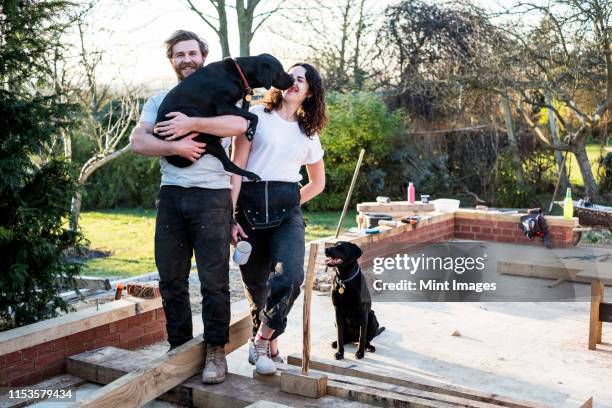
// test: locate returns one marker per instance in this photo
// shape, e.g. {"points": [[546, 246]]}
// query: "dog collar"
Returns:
{"points": [[342, 282], [245, 83]]}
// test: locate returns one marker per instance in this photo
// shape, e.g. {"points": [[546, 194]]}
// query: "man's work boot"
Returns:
{"points": [[215, 366]]}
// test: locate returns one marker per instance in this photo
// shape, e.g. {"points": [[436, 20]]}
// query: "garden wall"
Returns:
{"points": [[38, 351]]}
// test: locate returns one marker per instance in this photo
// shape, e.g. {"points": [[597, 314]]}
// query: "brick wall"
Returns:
{"points": [[508, 231], [410, 237], [463, 224], [45, 360]]}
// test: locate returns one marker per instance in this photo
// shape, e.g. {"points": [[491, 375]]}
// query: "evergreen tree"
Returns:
{"points": [[35, 191]]}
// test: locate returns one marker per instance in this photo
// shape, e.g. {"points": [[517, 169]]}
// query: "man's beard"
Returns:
{"points": [[181, 67]]}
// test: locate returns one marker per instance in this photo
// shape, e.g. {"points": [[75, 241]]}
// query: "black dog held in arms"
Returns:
{"points": [[355, 319], [214, 90]]}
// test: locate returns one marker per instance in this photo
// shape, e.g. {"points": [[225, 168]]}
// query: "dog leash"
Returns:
{"points": [[246, 100], [342, 282]]}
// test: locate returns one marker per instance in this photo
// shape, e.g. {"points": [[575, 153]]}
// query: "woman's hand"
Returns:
{"points": [[236, 233], [179, 125]]}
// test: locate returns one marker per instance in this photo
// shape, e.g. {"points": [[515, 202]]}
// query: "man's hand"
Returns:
{"points": [[236, 233], [179, 125], [188, 148]]}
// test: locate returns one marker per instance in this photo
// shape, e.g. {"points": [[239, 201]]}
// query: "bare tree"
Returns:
{"points": [[218, 23], [566, 58], [105, 117], [335, 35], [248, 21]]}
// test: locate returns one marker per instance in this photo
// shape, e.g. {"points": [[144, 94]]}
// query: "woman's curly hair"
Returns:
{"points": [[312, 114]]}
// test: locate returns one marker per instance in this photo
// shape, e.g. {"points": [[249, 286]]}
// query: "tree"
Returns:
{"points": [[35, 191], [567, 59], [248, 21], [105, 118], [106, 121], [335, 35]]}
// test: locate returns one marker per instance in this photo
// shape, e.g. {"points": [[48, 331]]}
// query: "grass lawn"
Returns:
{"points": [[127, 234], [594, 152]]}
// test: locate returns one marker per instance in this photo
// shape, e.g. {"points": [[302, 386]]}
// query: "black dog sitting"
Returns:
{"points": [[214, 90], [355, 320]]}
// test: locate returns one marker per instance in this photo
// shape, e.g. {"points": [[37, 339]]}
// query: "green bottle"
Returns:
{"points": [[568, 205]]}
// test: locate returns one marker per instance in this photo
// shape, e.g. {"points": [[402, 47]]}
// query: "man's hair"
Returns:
{"points": [[183, 35]]}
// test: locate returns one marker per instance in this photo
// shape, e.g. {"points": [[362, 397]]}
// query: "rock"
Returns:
{"points": [[456, 333], [324, 287]]}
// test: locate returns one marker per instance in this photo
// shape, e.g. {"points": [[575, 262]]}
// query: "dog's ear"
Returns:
{"points": [[264, 75], [355, 251]]}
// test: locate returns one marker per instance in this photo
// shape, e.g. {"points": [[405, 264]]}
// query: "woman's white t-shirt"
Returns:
{"points": [[280, 149]]}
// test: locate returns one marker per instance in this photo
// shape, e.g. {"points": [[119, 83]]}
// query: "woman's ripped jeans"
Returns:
{"points": [[275, 270]]}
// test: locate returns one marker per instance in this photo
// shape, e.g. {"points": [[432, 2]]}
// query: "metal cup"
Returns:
{"points": [[242, 252]]}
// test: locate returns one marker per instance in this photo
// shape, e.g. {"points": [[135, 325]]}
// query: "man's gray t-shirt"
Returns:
{"points": [[206, 172]]}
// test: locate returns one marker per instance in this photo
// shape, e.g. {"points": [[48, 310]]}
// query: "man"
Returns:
{"points": [[194, 212]]}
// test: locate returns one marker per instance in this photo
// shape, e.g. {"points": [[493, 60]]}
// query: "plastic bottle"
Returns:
{"points": [[568, 205], [411, 193]]}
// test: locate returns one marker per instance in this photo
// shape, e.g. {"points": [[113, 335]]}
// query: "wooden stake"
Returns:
{"points": [[312, 385], [350, 192], [314, 248]]}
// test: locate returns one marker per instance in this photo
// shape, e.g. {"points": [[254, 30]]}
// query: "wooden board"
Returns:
{"points": [[60, 382], [379, 393], [109, 363], [603, 274], [353, 369], [166, 372], [574, 271], [56, 328], [394, 206]]}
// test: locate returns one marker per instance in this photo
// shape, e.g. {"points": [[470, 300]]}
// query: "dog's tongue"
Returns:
{"points": [[329, 261]]}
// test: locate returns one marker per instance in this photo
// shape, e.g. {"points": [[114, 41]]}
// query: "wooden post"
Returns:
{"points": [[350, 192], [554, 134], [301, 383], [314, 248], [597, 288]]}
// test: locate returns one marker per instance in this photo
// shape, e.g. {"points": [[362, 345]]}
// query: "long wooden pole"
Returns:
{"points": [[350, 192], [552, 200], [310, 271]]}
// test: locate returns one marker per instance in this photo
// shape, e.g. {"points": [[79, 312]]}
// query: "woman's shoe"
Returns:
{"points": [[263, 362], [252, 357]]}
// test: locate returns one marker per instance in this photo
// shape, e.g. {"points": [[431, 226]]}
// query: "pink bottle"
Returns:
{"points": [[411, 193]]}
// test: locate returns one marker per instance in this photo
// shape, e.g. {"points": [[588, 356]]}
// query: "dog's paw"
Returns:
{"points": [[359, 354], [250, 134], [370, 348], [334, 344], [339, 356]]}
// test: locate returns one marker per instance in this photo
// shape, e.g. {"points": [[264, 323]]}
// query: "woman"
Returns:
{"points": [[268, 213]]}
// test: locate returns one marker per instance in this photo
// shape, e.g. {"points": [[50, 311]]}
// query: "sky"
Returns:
{"points": [[131, 36]]}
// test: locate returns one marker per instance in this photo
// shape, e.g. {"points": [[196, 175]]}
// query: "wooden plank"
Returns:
{"points": [[235, 392], [574, 271], [605, 313], [311, 384], [399, 378], [53, 329], [603, 273], [551, 220], [370, 391], [60, 382], [397, 206], [597, 289], [166, 372], [267, 404], [310, 271], [88, 282]]}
